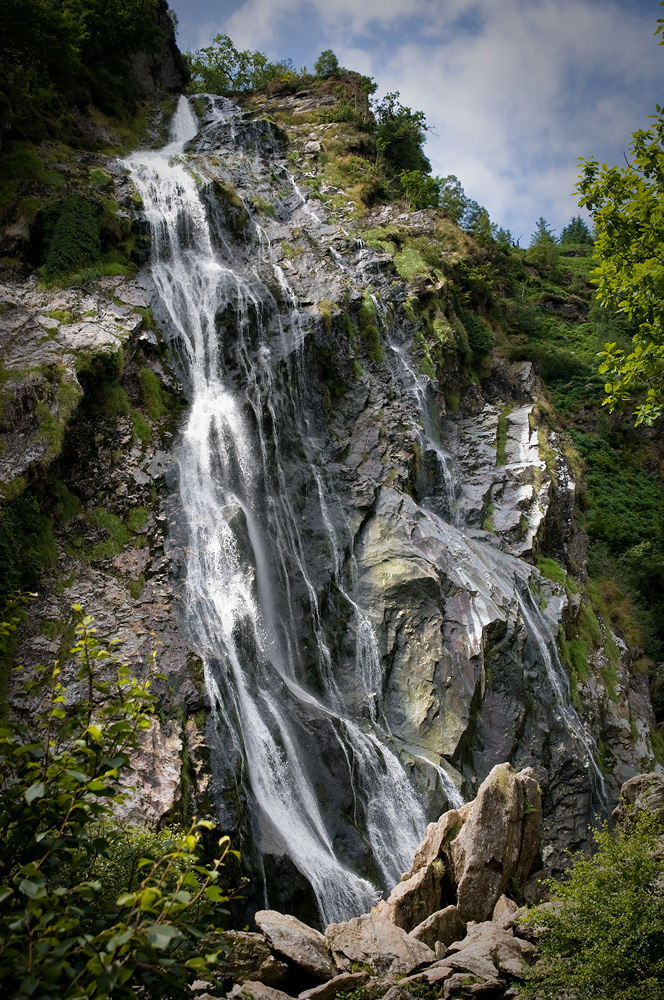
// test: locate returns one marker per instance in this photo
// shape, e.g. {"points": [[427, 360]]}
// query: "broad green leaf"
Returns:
{"points": [[35, 791]]}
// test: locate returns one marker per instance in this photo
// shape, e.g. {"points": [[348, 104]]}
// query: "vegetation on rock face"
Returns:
{"points": [[603, 935], [90, 908]]}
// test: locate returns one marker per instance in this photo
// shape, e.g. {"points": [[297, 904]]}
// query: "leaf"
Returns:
{"points": [[162, 935], [35, 791], [32, 889], [216, 894]]}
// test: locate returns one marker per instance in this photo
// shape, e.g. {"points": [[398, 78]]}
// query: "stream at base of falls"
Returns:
{"points": [[328, 779]]}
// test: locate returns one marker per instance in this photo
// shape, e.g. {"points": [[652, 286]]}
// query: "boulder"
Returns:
{"points": [[375, 941], [397, 993], [443, 926], [489, 949], [249, 957], [487, 851], [642, 793], [298, 942], [340, 984], [503, 912], [414, 899], [259, 991], [531, 830], [432, 975], [437, 835], [464, 984]]}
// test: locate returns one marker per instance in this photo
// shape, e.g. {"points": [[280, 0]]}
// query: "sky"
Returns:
{"points": [[515, 91]]}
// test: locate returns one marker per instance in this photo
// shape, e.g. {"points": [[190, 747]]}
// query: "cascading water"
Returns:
{"points": [[296, 617], [246, 566], [510, 578]]}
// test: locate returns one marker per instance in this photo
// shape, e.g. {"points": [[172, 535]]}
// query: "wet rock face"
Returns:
{"points": [[403, 573]]}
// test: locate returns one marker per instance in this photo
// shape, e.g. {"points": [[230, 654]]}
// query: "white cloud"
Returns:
{"points": [[517, 90]]}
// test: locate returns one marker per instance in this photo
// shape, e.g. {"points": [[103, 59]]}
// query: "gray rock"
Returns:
{"points": [[444, 926], [414, 899], [301, 944], [486, 853], [489, 949], [340, 984], [250, 958], [376, 941], [437, 835], [503, 912], [432, 975], [259, 991], [642, 793]]}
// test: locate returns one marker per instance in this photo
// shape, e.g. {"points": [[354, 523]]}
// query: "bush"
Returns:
{"points": [[88, 909], [604, 938], [74, 239]]}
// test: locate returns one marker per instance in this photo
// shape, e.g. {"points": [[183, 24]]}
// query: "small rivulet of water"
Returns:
{"points": [[493, 577], [246, 568]]}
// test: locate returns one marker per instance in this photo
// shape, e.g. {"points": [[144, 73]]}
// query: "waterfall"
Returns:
{"points": [[509, 584], [247, 576]]}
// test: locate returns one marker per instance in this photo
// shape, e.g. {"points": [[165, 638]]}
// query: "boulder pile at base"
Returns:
{"points": [[448, 924]]}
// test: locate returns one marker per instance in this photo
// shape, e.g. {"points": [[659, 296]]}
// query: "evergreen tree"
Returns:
{"points": [[576, 231]]}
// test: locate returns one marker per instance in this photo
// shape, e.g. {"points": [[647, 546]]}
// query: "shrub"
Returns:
{"points": [[73, 241], [604, 938], [86, 909]]}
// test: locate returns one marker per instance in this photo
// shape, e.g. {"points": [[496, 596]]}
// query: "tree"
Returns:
{"points": [[576, 231], [221, 69], [627, 206], [326, 65], [422, 191], [543, 250], [453, 200], [63, 930], [400, 135], [604, 936]]}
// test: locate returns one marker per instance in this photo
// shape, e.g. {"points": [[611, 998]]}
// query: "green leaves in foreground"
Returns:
{"points": [[627, 207], [88, 907], [604, 937]]}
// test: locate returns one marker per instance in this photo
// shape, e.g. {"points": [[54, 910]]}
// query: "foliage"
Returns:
{"points": [[64, 931], [422, 191], [453, 200], [400, 135], [327, 65], [543, 250], [627, 206], [72, 236], [576, 231], [27, 545], [220, 68], [61, 54], [604, 936]]}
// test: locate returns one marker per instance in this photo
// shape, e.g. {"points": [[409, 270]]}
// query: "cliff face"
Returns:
{"points": [[329, 516]]}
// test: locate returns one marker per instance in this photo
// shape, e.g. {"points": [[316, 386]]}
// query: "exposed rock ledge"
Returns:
{"points": [[448, 922]]}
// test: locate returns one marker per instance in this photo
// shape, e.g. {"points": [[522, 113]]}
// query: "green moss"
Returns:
{"points": [[368, 326], [326, 310], [501, 434], [117, 535], [410, 264], [136, 587], [552, 571], [112, 400], [156, 400], [137, 518], [140, 427], [100, 179]]}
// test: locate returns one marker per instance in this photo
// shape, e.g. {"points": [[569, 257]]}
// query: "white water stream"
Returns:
{"points": [[232, 482]]}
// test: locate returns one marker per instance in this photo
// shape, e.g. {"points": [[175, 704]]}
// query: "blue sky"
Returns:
{"points": [[516, 90]]}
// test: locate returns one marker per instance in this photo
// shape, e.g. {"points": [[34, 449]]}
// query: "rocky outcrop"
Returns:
{"points": [[642, 793], [469, 948], [372, 939], [300, 944]]}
